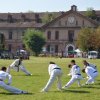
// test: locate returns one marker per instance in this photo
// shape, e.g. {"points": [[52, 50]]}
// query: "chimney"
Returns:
{"points": [[74, 8]]}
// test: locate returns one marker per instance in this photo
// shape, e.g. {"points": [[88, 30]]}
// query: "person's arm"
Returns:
{"points": [[49, 70], [9, 79]]}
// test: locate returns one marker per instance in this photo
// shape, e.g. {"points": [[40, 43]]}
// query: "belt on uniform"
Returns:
{"points": [[78, 74], [1, 80], [57, 68], [94, 71]]}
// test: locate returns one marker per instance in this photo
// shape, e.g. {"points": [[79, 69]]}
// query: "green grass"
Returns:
{"points": [[39, 68]]}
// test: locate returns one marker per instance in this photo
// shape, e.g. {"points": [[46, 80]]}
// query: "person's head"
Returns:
{"points": [[85, 62], [51, 62], [83, 70], [73, 62], [3, 69], [21, 58]]}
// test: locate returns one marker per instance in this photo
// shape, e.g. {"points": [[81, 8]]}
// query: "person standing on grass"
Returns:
{"points": [[92, 73], [3, 76], [54, 72], [17, 65], [74, 73]]}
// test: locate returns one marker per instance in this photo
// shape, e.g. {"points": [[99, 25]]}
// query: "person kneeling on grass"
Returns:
{"points": [[54, 72], [74, 73], [91, 72], [3, 76]]}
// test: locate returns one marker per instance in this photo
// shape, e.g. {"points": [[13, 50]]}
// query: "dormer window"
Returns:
{"points": [[23, 17], [74, 8], [10, 19]]}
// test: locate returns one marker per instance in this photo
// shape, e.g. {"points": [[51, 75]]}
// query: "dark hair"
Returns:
{"points": [[84, 61], [3, 68], [52, 62], [72, 61]]}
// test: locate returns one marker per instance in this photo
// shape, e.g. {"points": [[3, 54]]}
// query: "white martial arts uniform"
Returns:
{"points": [[54, 72], [75, 76], [3, 76], [17, 65], [91, 65], [91, 73]]}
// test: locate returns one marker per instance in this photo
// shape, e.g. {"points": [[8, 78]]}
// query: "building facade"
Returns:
{"points": [[60, 33]]}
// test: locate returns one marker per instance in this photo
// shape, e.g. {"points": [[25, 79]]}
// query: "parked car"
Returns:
{"points": [[92, 54]]}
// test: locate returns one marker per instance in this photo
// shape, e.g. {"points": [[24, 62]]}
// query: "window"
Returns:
{"points": [[56, 35], [66, 23], [1, 38], [10, 18], [23, 17], [48, 48], [10, 35], [23, 32], [49, 35], [56, 48], [9, 47], [70, 35], [83, 23], [76, 22], [37, 18]]}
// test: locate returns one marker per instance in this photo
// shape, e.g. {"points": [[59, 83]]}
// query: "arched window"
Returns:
{"points": [[70, 48]]}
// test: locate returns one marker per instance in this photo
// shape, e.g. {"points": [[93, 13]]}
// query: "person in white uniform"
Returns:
{"points": [[89, 64], [6, 86], [54, 72], [74, 73], [92, 73], [18, 65]]}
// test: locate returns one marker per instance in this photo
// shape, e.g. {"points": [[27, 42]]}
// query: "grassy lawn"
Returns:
{"points": [[38, 67]]}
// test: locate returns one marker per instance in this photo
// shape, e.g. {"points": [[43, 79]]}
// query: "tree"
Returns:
{"points": [[48, 17], [89, 39], [91, 13], [34, 40]]}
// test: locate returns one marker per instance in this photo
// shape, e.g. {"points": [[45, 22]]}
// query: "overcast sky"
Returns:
{"points": [[46, 5]]}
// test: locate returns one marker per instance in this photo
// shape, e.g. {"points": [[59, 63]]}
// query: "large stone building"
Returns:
{"points": [[61, 33]]}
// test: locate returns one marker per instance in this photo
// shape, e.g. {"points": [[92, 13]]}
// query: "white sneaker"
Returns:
{"points": [[24, 92], [64, 87], [43, 90]]}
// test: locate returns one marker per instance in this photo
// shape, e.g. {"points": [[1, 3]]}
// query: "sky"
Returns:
{"points": [[46, 5]]}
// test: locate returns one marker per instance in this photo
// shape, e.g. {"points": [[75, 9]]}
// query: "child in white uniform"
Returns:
{"points": [[54, 72], [75, 74]]}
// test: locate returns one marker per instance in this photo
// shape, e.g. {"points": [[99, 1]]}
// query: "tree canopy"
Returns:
{"points": [[91, 13], [34, 40], [89, 39]]}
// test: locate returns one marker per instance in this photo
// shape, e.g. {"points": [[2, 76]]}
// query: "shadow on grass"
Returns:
{"points": [[92, 87], [36, 75], [15, 94], [73, 91]]}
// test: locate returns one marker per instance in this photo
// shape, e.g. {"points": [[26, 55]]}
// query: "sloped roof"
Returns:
{"points": [[21, 25], [68, 12]]}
